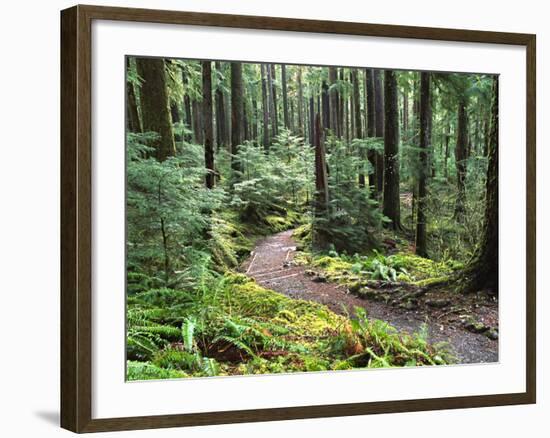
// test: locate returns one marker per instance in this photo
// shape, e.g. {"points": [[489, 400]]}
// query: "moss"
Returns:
{"points": [[228, 244], [332, 265], [431, 281], [243, 328], [303, 235]]}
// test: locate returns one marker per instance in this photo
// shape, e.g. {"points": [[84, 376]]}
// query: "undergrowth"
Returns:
{"points": [[229, 325]]}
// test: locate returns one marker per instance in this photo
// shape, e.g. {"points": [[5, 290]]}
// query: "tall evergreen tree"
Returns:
{"points": [[379, 121], [482, 272], [391, 208], [425, 144], [286, 118], [154, 105], [236, 112], [132, 116], [208, 124]]}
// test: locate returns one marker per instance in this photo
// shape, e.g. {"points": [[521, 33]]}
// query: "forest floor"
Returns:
{"points": [[271, 265]]}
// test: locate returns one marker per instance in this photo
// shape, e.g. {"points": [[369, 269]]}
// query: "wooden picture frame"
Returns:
{"points": [[76, 217]]}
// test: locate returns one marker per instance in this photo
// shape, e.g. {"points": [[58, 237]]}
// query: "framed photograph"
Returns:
{"points": [[271, 218]]}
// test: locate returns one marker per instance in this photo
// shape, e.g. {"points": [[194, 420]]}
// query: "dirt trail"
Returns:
{"points": [[270, 265]]}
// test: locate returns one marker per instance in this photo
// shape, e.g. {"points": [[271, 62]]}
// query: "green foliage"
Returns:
{"points": [[190, 315], [148, 371], [354, 216], [400, 267], [271, 185], [235, 326]]}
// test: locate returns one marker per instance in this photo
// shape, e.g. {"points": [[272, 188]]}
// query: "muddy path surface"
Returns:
{"points": [[270, 264]]}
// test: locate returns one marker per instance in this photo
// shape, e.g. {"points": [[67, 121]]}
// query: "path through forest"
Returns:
{"points": [[271, 266]]}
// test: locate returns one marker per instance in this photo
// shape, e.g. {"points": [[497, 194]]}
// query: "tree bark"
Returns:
{"points": [[461, 154], [132, 116], [446, 160], [154, 105], [221, 125], [197, 121], [371, 126], [236, 113], [186, 102], [333, 101], [379, 121], [358, 124], [300, 102], [482, 273], [286, 119], [210, 177], [425, 136], [311, 120], [273, 96], [321, 183], [265, 107], [391, 207], [326, 105]]}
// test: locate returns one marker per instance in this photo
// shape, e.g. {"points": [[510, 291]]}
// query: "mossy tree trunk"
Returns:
{"points": [[132, 115], [210, 177], [425, 141], [333, 79], [461, 154], [154, 105], [265, 107], [391, 208], [186, 101], [371, 124], [300, 106], [236, 113], [321, 184], [482, 272], [273, 97], [358, 124], [326, 105], [286, 119], [221, 125], [379, 121]]}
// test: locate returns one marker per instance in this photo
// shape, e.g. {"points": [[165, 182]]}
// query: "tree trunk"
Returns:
{"points": [[311, 120], [300, 102], [482, 273], [425, 136], [321, 182], [333, 101], [379, 129], [236, 113], [197, 121], [186, 102], [210, 177], [154, 105], [265, 107], [286, 119], [358, 125], [405, 113], [255, 129], [133, 123], [220, 114], [391, 151], [371, 125], [273, 95], [461, 152], [446, 160], [326, 105], [342, 104]]}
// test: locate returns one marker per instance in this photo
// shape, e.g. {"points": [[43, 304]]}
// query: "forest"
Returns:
{"points": [[292, 218]]}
